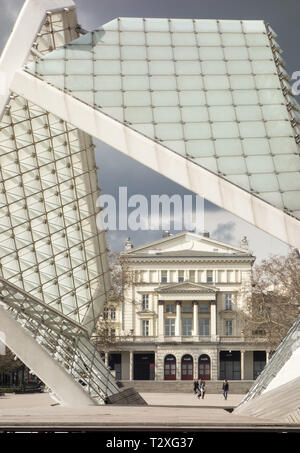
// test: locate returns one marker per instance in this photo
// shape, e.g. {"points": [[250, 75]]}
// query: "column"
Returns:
{"points": [[178, 319], [213, 320], [195, 319], [131, 366], [242, 365], [267, 356], [106, 359], [160, 318]]}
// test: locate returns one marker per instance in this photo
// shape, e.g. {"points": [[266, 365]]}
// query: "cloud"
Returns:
{"points": [[225, 232]]}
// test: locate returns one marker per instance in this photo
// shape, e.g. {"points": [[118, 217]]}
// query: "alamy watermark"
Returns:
{"points": [[2, 343], [157, 212]]}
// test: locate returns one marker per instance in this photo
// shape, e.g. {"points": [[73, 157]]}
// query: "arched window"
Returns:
{"points": [[204, 367], [187, 367], [170, 368]]}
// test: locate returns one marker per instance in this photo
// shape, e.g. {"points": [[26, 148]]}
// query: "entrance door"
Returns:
{"points": [[204, 367], [230, 365], [170, 368], [143, 368], [187, 368], [259, 362]]}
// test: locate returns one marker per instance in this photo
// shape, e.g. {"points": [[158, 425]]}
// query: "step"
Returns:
{"points": [[235, 387]]}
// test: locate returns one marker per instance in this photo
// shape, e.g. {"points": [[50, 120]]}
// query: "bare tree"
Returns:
{"points": [[121, 277], [273, 303], [9, 362]]}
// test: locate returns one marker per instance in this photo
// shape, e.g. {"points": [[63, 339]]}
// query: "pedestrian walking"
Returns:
{"points": [[196, 386], [225, 388], [201, 389]]}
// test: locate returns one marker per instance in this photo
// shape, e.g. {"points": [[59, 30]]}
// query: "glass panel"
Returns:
{"points": [[192, 98], [264, 182], [211, 53], [287, 162], [233, 39], [260, 53], [214, 82], [156, 25], [135, 83], [236, 53], [228, 147], [160, 53], [197, 131], [267, 81], [283, 145], [245, 97], [221, 113], [219, 97], [279, 128], [132, 52], [169, 131], [260, 164], [253, 26], [207, 162], [184, 25], [198, 148], [248, 112], [105, 52], [138, 114], [158, 39], [134, 67], [213, 67], [189, 82], [256, 146], [131, 24], [109, 67], [166, 114], [252, 129], [107, 83], [242, 82], [187, 67], [204, 25], [137, 98], [232, 165], [183, 39], [194, 114], [209, 39], [167, 98], [161, 67], [257, 40], [239, 67], [264, 67], [230, 26], [163, 83], [132, 38], [225, 129]]}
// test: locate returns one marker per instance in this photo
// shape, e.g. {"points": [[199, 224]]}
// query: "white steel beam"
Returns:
{"points": [[159, 158], [37, 359], [19, 44]]}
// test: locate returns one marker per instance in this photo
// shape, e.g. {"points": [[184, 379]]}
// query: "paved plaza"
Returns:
{"points": [[164, 411]]}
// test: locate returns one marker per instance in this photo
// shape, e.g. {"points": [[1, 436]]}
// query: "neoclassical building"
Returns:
{"points": [[180, 314]]}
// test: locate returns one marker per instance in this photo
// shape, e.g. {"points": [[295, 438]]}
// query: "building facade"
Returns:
{"points": [[180, 314]]}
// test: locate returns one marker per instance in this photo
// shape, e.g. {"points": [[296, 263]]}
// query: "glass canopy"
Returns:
{"points": [[215, 92]]}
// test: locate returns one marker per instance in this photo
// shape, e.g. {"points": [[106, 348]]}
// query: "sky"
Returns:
{"points": [[117, 170]]}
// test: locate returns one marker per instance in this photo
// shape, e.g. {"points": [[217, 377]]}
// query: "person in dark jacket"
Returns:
{"points": [[196, 386], [201, 389], [225, 388]]}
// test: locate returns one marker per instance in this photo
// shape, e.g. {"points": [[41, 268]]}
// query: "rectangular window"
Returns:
{"points": [[228, 301], [170, 308], [228, 328], [192, 276], [209, 276], [187, 307], [204, 326], [170, 327], [180, 276], [187, 324], [204, 308], [145, 328], [164, 277], [145, 302], [112, 332], [113, 314]]}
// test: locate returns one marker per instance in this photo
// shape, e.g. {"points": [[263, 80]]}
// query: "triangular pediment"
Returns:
{"points": [[186, 287]]}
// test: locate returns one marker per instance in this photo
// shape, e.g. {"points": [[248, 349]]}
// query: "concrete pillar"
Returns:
{"points": [[195, 319], [178, 319], [213, 320], [106, 359], [242, 365], [267, 356], [131, 366], [161, 319]]}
